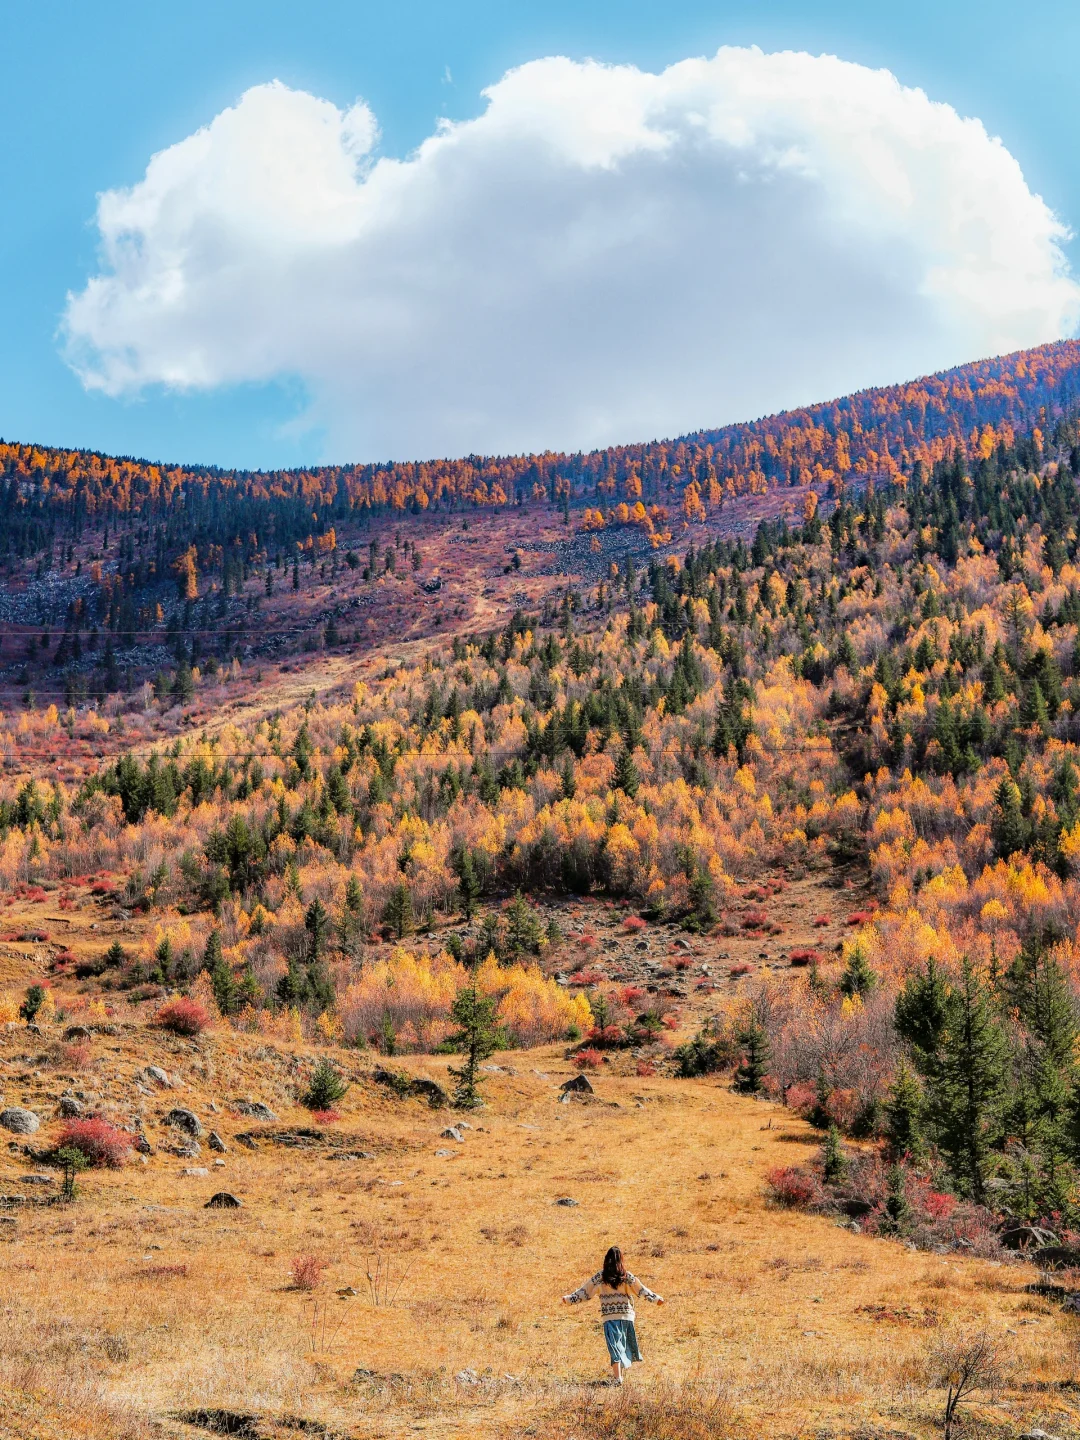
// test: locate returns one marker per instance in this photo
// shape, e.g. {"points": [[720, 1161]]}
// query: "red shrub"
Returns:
{"points": [[101, 1143], [859, 917], [634, 923], [587, 940], [307, 1271], [805, 957], [754, 919], [586, 977], [820, 920], [796, 1188], [75, 1057], [802, 1097], [325, 1117], [631, 995], [742, 969], [610, 1037], [645, 1068], [183, 1017], [682, 962], [588, 1059]]}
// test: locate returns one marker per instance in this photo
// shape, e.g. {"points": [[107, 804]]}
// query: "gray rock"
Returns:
{"points": [[1020, 1237], [37, 1179], [1057, 1257], [77, 1032], [567, 1202], [223, 1200], [185, 1120], [452, 1133], [1037, 1435], [188, 1150], [217, 1143], [444, 1152], [19, 1121], [142, 1145], [255, 1110], [159, 1076], [196, 1170], [70, 1108], [579, 1083]]}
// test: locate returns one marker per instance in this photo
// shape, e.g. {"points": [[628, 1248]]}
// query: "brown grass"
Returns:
{"points": [[772, 1317]]}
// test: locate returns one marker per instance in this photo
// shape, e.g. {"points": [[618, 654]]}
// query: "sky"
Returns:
{"points": [[668, 238]]}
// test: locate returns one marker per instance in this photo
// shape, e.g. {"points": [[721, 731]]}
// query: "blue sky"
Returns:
{"points": [[91, 92]]}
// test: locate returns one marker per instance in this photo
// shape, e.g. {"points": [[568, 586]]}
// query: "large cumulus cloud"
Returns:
{"points": [[603, 254]]}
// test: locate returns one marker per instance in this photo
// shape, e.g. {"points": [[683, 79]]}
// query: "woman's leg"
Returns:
{"points": [[616, 1373]]}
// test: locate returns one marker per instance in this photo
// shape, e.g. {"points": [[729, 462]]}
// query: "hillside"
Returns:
{"points": [[114, 567], [769, 827]]}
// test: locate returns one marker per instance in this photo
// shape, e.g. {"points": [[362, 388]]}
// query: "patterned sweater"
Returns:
{"points": [[615, 1303]]}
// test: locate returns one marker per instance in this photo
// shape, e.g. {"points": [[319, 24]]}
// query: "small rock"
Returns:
{"points": [[219, 1162], [567, 1202], [255, 1110], [452, 1133], [347, 1291], [467, 1377], [196, 1170], [214, 1109], [142, 1145], [19, 1121], [159, 1076], [1037, 1435], [223, 1200], [185, 1120], [69, 1107], [444, 1152], [217, 1143], [189, 1150]]}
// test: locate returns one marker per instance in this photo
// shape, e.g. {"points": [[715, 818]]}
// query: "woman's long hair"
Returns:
{"points": [[614, 1271]]}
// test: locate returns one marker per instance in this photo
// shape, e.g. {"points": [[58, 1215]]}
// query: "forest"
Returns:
{"points": [[883, 686]]}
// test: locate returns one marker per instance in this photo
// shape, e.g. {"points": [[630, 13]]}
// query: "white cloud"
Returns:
{"points": [[602, 255]]}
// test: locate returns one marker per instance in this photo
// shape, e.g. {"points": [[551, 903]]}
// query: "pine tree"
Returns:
{"points": [[398, 913], [967, 1084], [317, 924], [920, 1014], [1010, 827], [834, 1161], [478, 1037], [326, 1088], [626, 774], [858, 978], [226, 993], [904, 1114], [755, 1062], [897, 1216], [468, 882]]}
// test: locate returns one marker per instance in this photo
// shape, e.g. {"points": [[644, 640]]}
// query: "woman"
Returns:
{"points": [[617, 1288]]}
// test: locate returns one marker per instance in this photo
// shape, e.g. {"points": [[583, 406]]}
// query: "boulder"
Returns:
{"points": [[1057, 1257], [855, 1209], [408, 1085], [70, 1108], [159, 1076], [567, 1202], [37, 1179], [185, 1120], [1026, 1237], [580, 1083], [196, 1170], [19, 1121], [186, 1150], [223, 1200], [77, 1032], [216, 1143], [452, 1133], [255, 1110], [142, 1145]]}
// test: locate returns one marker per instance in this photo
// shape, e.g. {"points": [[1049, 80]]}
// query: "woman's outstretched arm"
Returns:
{"points": [[643, 1290], [583, 1292]]}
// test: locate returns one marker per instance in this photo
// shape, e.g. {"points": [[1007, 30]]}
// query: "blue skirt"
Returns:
{"points": [[622, 1343]]}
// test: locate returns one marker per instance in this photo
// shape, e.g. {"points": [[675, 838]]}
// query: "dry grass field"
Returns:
{"points": [[137, 1305]]}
